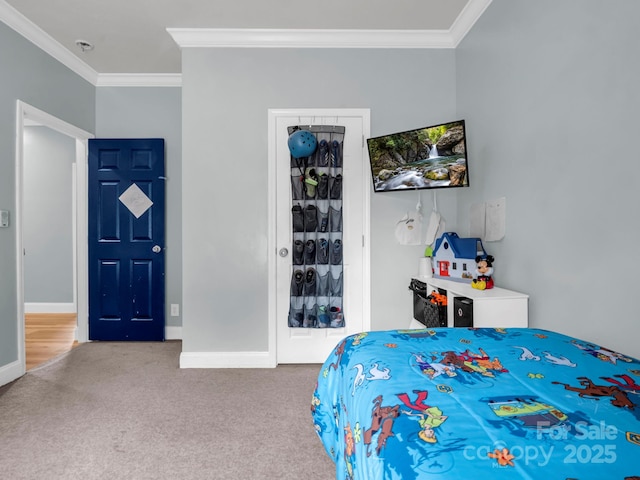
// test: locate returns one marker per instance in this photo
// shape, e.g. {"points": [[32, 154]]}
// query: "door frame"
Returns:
{"points": [[272, 247], [29, 115]]}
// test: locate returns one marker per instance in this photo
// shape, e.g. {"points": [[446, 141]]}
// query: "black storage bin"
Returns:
{"points": [[419, 298], [463, 312], [424, 311], [435, 315]]}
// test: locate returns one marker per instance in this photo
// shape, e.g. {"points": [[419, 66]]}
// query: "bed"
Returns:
{"points": [[482, 403]]}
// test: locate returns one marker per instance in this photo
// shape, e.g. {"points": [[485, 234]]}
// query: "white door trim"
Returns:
{"points": [[272, 246], [25, 115]]}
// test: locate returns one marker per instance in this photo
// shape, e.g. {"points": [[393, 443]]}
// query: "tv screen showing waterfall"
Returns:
{"points": [[428, 157]]}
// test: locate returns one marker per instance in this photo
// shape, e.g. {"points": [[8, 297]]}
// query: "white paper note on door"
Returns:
{"points": [[136, 200]]}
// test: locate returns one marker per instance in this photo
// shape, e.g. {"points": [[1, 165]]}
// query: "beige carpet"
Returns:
{"points": [[125, 410]]}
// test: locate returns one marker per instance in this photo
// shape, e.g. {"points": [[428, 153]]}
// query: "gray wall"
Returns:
{"points": [[550, 93], [152, 112], [48, 216], [226, 96], [30, 75]]}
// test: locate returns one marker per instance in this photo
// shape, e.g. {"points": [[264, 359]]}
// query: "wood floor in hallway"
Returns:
{"points": [[48, 335]]}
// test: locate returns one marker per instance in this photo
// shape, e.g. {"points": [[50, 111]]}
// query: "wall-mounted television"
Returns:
{"points": [[428, 157]]}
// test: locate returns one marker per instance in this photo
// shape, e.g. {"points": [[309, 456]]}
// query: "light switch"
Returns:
{"points": [[4, 218]]}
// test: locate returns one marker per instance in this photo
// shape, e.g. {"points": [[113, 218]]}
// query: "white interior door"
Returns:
{"points": [[313, 345]]}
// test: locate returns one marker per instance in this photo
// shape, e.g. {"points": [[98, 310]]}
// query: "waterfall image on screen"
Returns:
{"points": [[429, 157]]}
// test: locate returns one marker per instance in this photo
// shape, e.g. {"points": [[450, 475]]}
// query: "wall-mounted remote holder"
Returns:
{"points": [[4, 218]]}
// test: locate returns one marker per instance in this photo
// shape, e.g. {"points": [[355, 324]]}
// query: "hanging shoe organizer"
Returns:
{"points": [[316, 192]]}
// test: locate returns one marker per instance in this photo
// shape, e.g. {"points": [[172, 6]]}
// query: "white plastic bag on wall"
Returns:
{"points": [[409, 229]]}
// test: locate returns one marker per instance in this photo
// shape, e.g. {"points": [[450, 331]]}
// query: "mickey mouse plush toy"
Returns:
{"points": [[484, 270]]}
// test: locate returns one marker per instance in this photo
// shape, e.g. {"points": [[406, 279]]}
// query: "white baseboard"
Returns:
{"points": [[49, 308], [172, 333], [227, 360], [10, 372]]}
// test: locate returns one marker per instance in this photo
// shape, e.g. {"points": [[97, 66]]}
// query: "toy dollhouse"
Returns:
{"points": [[454, 257]]}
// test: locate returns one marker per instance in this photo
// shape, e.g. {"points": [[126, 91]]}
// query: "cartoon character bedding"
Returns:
{"points": [[478, 403]]}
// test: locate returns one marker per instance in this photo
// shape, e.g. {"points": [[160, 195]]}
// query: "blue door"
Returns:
{"points": [[126, 239]]}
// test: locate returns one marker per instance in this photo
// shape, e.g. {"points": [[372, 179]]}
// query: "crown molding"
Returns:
{"points": [[25, 27], [139, 80], [470, 14], [309, 38], [327, 38]]}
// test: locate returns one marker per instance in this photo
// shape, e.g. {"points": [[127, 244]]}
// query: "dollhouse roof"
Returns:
{"points": [[461, 247]]}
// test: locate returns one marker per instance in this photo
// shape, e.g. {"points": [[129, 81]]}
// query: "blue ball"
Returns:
{"points": [[302, 143]]}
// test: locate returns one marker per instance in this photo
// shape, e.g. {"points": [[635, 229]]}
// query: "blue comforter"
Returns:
{"points": [[461, 403]]}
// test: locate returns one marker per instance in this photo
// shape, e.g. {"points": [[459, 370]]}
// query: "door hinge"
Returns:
{"points": [[363, 141]]}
